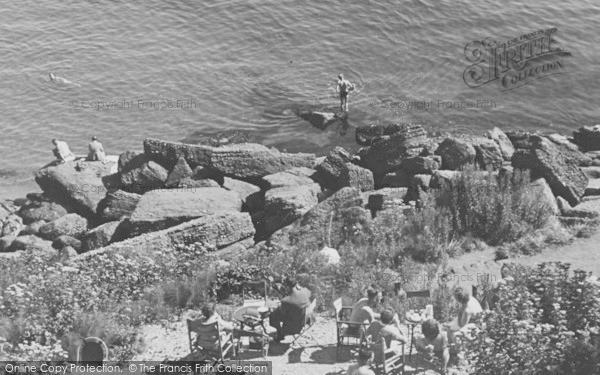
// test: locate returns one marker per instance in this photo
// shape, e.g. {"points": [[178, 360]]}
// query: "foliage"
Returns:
{"points": [[545, 322]]}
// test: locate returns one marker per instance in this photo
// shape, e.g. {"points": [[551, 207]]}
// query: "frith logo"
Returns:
{"points": [[516, 62]]}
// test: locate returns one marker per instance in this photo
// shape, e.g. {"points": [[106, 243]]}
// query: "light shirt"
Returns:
{"points": [[63, 149], [357, 369], [362, 312]]}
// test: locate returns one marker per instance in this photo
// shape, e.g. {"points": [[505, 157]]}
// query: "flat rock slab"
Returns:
{"points": [[214, 232], [82, 187], [168, 153], [284, 205], [159, 209]]}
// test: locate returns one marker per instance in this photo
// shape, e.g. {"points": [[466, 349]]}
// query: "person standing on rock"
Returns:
{"points": [[343, 88], [62, 152], [96, 151]]}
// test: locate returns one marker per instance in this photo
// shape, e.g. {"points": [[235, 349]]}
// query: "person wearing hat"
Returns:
{"points": [[343, 88], [96, 151]]}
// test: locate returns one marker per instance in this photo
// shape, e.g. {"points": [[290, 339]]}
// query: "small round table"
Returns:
{"points": [[412, 323]]}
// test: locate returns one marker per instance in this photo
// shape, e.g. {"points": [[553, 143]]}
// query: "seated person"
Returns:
{"points": [[469, 309], [96, 151], [388, 328], [362, 367], [434, 341], [287, 316], [210, 315], [62, 152], [506, 272], [363, 310]]}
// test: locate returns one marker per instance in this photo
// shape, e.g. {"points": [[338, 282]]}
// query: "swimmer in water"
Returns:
{"points": [[343, 88], [57, 79]]}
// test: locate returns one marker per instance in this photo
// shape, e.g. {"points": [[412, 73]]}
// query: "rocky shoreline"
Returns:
{"points": [[229, 197]]}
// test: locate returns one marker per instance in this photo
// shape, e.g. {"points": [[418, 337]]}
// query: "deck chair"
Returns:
{"points": [[307, 321], [387, 359], [349, 334], [250, 288], [425, 293], [209, 341]]}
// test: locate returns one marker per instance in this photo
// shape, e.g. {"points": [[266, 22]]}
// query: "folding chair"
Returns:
{"points": [[209, 341], [349, 334], [256, 286], [388, 364], [308, 320], [425, 293]]}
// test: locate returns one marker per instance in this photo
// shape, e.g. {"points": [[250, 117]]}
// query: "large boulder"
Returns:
{"points": [[421, 164], [11, 225], [100, 236], [341, 210], [545, 159], [71, 225], [541, 187], [80, 185], [6, 242], [250, 160], [251, 195], [117, 204], [64, 241], [160, 209], [385, 198], [367, 135], [33, 228], [147, 176], [588, 138], [168, 153], [488, 154], [330, 171], [506, 147], [320, 120], [456, 153], [386, 154], [570, 150], [213, 232], [292, 177], [284, 205], [32, 243], [191, 183], [180, 171], [46, 211]]}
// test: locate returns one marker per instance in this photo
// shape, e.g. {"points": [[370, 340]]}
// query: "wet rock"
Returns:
{"points": [[100, 236], [63, 241], [180, 171], [74, 186], [117, 205], [506, 147], [160, 209], [284, 205], [367, 135], [46, 211], [251, 195], [456, 153], [320, 120], [545, 159], [245, 161], [587, 137]]}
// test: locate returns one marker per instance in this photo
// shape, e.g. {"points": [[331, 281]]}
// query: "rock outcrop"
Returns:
{"points": [[46, 211], [32, 243], [251, 195], [117, 204], [100, 236], [588, 138], [141, 178], [506, 147], [284, 205], [160, 209], [545, 159], [456, 153], [180, 171], [292, 177], [367, 135]]}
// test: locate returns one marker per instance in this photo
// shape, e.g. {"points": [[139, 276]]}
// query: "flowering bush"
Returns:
{"points": [[545, 322]]}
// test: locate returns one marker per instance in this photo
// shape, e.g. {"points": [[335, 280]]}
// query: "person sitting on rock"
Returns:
{"points": [[388, 328], [62, 152], [434, 342], [291, 310], [363, 366], [364, 310], [96, 151], [210, 315]]}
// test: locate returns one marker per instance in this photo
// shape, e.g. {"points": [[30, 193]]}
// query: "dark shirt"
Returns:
{"points": [[299, 297]]}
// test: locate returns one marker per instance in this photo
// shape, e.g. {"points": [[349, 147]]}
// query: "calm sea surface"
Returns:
{"points": [[249, 65]]}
